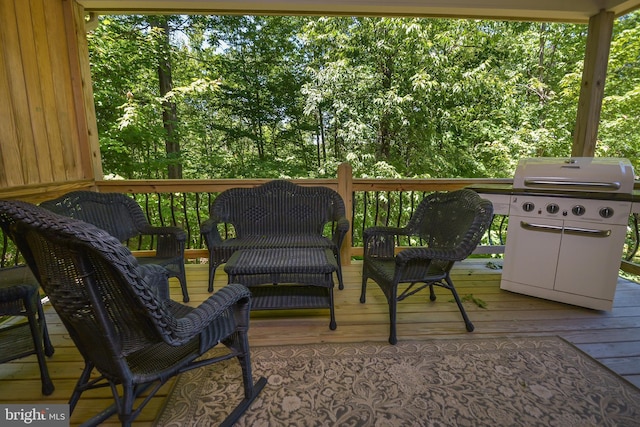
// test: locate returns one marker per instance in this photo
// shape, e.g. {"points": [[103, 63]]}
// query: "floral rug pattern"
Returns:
{"points": [[540, 381]]}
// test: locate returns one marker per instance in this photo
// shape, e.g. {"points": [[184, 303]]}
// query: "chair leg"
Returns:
{"points": [[244, 404], [80, 385], [332, 312], [393, 314], [251, 389], [432, 293], [125, 407], [467, 322], [339, 273], [182, 278], [392, 301], [48, 347], [244, 358], [212, 273], [38, 340], [363, 293]]}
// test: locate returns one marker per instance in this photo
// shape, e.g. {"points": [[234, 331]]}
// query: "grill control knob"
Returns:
{"points": [[528, 206], [606, 212], [578, 210], [552, 208]]}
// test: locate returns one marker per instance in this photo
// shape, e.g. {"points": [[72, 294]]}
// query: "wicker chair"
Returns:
{"points": [[122, 217], [20, 296], [278, 214], [449, 225], [110, 306]]}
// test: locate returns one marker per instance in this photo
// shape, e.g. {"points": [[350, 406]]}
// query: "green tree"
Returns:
{"points": [[286, 96], [619, 131], [421, 95], [135, 94]]}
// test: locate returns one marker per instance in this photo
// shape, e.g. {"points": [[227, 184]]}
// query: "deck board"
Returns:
{"points": [[611, 337]]}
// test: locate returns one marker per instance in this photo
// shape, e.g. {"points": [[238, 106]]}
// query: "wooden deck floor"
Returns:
{"points": [[611, 337]]}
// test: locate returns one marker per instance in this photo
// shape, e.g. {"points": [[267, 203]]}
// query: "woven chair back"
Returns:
{"points": [[456, 219], [278, 207], [116, 213], [91, 280]]}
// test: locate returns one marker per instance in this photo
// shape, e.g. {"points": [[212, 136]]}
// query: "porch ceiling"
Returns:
{"points": [[577, 11]]}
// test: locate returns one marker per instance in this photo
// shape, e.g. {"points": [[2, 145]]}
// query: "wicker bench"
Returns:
{"points": [[286, 278], [278, 214]]}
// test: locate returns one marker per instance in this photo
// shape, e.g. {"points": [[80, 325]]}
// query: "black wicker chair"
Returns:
{"points": [[449, 227], [111, 308], [278, 214], [122, 217], [20, 296]]}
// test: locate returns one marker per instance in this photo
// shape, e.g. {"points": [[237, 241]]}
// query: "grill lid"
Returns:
{"points": [[580, 174]]}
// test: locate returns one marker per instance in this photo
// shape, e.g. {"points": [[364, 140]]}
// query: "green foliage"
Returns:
{"points": [[477, 301], [287, 96], [619, 132]]}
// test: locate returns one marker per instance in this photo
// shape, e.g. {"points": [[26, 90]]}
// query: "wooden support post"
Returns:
{"points": [[92, 142], [345, 189], [82, 94], [592, 88]]}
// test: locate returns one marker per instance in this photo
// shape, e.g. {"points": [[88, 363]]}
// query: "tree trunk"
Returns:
{"points": [[169, 110], [322, 146]]}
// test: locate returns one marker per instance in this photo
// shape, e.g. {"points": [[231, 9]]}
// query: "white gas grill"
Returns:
{"points": [[567, 225]]}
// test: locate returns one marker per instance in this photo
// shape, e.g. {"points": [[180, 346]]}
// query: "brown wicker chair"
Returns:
{"points": [[448, 225], [122, 217], [278, 214], [110, 306]]}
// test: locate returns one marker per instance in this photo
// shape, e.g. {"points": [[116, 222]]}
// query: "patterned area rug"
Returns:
{"points": [[541, 381]]}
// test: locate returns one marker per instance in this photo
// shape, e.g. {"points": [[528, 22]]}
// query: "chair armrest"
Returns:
{"points": [[380, 241], [231, 302], [340, 230], [377, 231], [170, 240], [210, 232], [176, 233], [157, 278], [424, 253]]}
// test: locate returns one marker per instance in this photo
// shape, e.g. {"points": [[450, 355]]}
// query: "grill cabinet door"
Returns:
{"points": [[589, 265], [531, 257]]}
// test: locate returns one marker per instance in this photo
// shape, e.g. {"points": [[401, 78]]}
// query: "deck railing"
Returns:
{"points": [[368, 202], [185, 203]]}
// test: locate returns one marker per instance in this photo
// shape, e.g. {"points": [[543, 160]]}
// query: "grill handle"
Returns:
{"points": [[586, 184], [567, 230]]}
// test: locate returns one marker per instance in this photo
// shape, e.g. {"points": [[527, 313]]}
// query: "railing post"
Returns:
{"points": [[345, 189]]}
